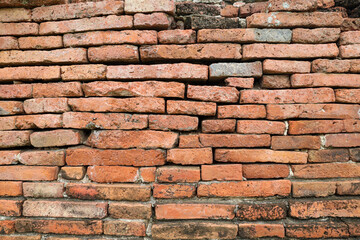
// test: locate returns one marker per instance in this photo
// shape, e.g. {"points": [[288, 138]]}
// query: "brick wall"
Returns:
{"points": [[154, 120]]}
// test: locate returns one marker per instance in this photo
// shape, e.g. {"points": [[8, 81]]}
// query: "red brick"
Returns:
{"points": [[34, 57], [323, 126], [43, 190], [308, 95], [65, 209], [10, 208], [325, 208], [313, 189], [229, 11], [21, 237], [11, 107], [261, 211], [124, 228], [332, 65], [15, 15], [292, 6], [347, 95], [293, 51], [352, 37], [40, 42], [177, 71], [130, 210], [158, 21], [131, 157], [53, 90], [190, 156], [215, 126], [240, 82], [251, 8], [342, 140], [10, 139], [114, 53], [291, 20], [84, 120], [110, 174], [213, 93], [38, 121], [28, 173], [83, 72], [317, 35], [28, 74], [194, 211], [336, 111], [228, 172], [16, 91], [7, 123], [7, 226], [189, 141], [317, 230], [259, 230], [245, 189], [260, 127], [135, 37], [86, 24], [77, 10], [275, 81], [350, 51], [132, 139], [72, 173], [8, 43], [191, 230], [9, 157], [348, 188], [178, 174], [173, 122], [241, 111], [259, 155], [10, 189], [329, 155], [148, 6], [191, 108], [19, 29], [147, 174], [76, 227], [136, 104], [295, 142], [285, 66], [116, 192], [45, 157], [173, 191], [234, 140], [177, 36], [258, 171], [56, 138], [327, 80], [135, 89], [327, 170], [211, 51]]}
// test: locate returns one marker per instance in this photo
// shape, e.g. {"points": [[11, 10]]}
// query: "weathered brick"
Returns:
{"points": [[178, 71], [28, 173], [229, 11], [248, 9], [158, 21], [15, 15], [234, 140], [350, 51], [84, 120], [177, 36], [34, 57], [194, 230], [214, 126], [125, 228], [241, 111], [83, 72], [198, 8], [325, 3], [38, 121], [11, 208], [40, 42], [259, 155], [149, 6], [190, 141], [43, 158], [190, 156], [327, 170], [213, 22], [28, 74], [240, 82], [245, 189], [191, 108], [260, 230], [261, 211], [323, 126], [329, 155], [30, 3], [260, 127], [110, 174], [130, 210], [66, 209], [286, 20], [9, 157], [72, 173], [86, 24], [355, 154], [53, 90], [116, 192], [313, 189], [132, 139], [325, 80], [114, 53], [135, 37], [147, 174], [292, 6], [285, 66], [194, 211], [173, 122], [10, 189], [43, 190], [211, 51], [76, 227], [228, 172], [308, 95], [19, 29], [352, 37], [275, 81], [7, 226], [317, 35], [317, 230], [336, 111], [8, 43], [347, 95], [332, 66], [213, 93], [168, 191], [44, 105], [295, 142], [137, 104], [350, 24], [223, 70], [178, 174], [21, 237], [58, 137], [132, 157], [342, 140], [348, 188], [7, 123], [258, 171], [10, 139], [77, 10]]}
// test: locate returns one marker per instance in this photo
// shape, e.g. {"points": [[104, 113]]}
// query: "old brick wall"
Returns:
{"points": [[150, 119]]}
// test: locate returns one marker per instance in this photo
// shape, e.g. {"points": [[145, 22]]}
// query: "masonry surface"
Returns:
{"points": [[154, 119]]}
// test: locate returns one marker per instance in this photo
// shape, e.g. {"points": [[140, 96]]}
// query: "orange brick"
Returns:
{"points": [[173, 122], [258, 230], [275, 81], [130, 210], [229, 11], [22, 237], [46, 105], [190, 156], [148, 174], [46, 157], [292, 6], [11, 208], [342, 140], [191, 108], [38, 121], [10, 189], [295, 142], [54, 90], [213, 93], [19, 29], [260, 127], [214, 126], [240, 82], [317, 230], [83, 72], [234, 140], [329, 155], [189, 141], [313, 189], [114, 53], [228, 172], [10, 139], [325, 80], [241, 111], [28, 173], [72, 173], [7, 226], [317, 35], [258, 171], [261, 211], [173, 191], [347, 95], [43, 190], [158, 21], [285, 66], [323, 126], [327, 170], [177, 36], [333, 65], [40, 42], [56, 138], [124, 228], [8, 43], [348, 188], [109, 174], [178, 174], [28, 74]]}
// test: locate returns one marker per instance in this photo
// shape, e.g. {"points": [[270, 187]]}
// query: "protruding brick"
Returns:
{"points": [[15, 15], [347, 95], [240, 82], [261, 211], [275, 81], [83, 72], [43, 190], [350, 51], [28, 74], [190, 156], [213, 93], [10, 189], [72, 173], [258, 230], [313, 189], [234, 140], [191, 108], [10, 139], [125, 228], [173, 122], [325, 80], [317, 230], [53, 90], [158, 21], [19, 29], [285, 66], [28, 173], [352, 37], [317, 35], [177, 36], [223, 70], [43, 158], [178, 174], [56, 138], [10, 208], [260, 127], [327, 170], [168, 191], [114, 53], [148, 6], [342, 140], [292, 6], [241, 111], [329, 155], [214, 126], [38, 121], [110, 174], [228, 172], [8, 43], [130, 210], [40, 42], [259, 171]]}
